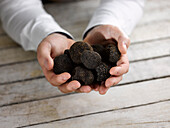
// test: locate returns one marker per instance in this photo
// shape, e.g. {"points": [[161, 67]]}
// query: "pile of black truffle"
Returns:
{"points": [[87, 64]]}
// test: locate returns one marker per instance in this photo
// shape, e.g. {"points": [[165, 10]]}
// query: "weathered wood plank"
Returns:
{"points": [[6, 42], [13, 55], [117, 98], [148, 69], [154, 24], [153, 30], [19, 72], [14, 93], [139, 51], [135, 52], [26, 91], [150, 116], [155, 11]]}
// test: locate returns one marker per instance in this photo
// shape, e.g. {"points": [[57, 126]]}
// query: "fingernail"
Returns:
{"points": [[66, 78], [124, 45]]}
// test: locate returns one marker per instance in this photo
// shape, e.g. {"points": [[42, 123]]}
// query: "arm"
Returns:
{"points": [[29, 25], [114, 19], [121, 13], [27, 22]]}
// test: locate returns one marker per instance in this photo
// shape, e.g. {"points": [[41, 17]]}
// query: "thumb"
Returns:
{"points": [[48, 63], [123, 44], [44, 56]]}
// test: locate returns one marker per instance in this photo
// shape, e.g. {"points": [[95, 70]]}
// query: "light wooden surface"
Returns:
{"points": [[141, 100]]}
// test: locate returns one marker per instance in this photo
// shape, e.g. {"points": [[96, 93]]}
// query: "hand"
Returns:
{"points": [[104, 34], [52, 46]]}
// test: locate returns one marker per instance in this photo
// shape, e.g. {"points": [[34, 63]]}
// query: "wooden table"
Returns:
{"points": [[142, 99]]}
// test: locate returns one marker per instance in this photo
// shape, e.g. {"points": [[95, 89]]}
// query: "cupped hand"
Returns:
{"points": [[104, 34], [52, 46]]}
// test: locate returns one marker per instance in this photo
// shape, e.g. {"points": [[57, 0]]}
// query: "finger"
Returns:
{"points": [[121, 37], [103, 89], [43, 55], [57, 80], [69, 87], [123, 44], [113, 81], [122, 66], [96, 87], [84, 89], [119, 70]]}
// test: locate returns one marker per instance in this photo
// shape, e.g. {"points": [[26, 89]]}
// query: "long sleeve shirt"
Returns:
{"points": [[28, 23]]}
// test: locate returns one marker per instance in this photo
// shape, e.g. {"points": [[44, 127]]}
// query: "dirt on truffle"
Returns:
{"points": [[113, 53], [101, 50], [102, 72], [76, 50], [90, 59], [89, 65], [62, 64], [83, 75]]}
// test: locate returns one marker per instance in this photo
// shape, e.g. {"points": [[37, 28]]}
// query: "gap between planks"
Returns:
{"points": [[40, 88], [31, 56], [127, 118], [33, 72], [122, 97], [155, 15]]}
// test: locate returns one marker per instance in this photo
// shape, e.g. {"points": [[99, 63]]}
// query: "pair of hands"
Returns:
{"points": [[55, 44]]}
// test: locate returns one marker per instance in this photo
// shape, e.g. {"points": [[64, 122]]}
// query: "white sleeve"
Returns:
{"points": [[121, 13], [26, 22]]}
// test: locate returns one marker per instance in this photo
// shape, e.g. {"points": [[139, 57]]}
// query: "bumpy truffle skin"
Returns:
{"points": [[102, 72], [62, 64], [67, 52], [113, 53], [76, 50], [83, 75], [90, 59], [101, 50]]}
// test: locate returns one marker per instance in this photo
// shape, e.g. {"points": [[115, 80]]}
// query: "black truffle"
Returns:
{"points": [[103, 72], [83, 75], [113, 53], [76, 50], [90, 59], [101, 50], [62, 64], [67, 52]]}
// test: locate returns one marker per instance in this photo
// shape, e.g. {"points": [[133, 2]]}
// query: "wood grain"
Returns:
{"points": [[14, 55], [152, 49], [13, 93], [149, 116], [153, 25], [32, 69], [19, 72], [6, 42], [142, 100], [81, 104], [136, 52]]}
